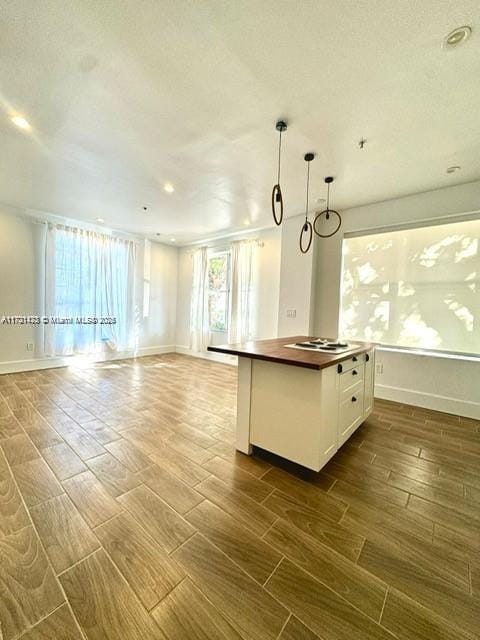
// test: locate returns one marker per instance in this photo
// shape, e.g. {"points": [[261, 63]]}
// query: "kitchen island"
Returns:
{"points": [[301, 402]]}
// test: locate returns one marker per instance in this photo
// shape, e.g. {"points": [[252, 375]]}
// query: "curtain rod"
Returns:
{"points": [[223, 247], [68, 222]]}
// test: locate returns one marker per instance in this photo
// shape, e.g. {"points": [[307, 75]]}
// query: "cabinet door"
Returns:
{"points": [[369, 383], [350, 414], [328, 425]]}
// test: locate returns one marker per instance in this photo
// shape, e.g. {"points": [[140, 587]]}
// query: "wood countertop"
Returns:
{"points": [[276, 351]]}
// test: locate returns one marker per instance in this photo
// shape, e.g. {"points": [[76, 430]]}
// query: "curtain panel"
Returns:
{"points": [[89, 293], [241, 325], [199, 316]]}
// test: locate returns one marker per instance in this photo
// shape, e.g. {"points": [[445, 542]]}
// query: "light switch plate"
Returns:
{"points": [[291, 313]]}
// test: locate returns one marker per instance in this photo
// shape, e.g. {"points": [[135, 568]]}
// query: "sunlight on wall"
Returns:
{"points": [[414, 288]]}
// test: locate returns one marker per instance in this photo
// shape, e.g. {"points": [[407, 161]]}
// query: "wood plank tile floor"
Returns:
{"points": [[125, 512]]}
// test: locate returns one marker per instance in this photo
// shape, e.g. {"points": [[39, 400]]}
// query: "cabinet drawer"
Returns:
{"points": [[353, 390], [351, 363], [352, 377], [350, 414]]}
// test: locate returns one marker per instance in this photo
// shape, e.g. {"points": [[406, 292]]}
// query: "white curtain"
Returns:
{"points": [[90, 281], [199, 325], [241, 322]]}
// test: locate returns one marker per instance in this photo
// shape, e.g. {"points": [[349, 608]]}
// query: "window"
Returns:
{"points": [[416, 288], [218, 290], [89, 291]]}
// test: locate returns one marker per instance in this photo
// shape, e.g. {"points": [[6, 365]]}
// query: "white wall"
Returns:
{"points": [[184, 290], [17, 283], [158, 328], [297, 276], [267, 283], [327, 291], [446, 384], [21, 292], [435, 382]]}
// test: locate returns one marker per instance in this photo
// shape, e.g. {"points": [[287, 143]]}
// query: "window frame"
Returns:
{"points": [[216, 254]]}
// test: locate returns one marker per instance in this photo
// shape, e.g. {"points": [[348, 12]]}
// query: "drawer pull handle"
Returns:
{"points": [[354, 373], [367, 357], [354, 359], [339, 368], [354, 399]]}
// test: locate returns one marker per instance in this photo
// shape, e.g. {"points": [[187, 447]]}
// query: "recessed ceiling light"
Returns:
{"points": [[21, 123], [457, 36], [453, 168], [168, 187], [101, 220], [172, 240], [246, 222]]}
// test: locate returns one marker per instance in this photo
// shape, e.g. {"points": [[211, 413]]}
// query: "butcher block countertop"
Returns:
{"points": [[275, 351]]}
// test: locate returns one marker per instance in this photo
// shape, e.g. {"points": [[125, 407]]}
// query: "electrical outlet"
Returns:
{"points": [[291, 313], [29, 346], [379, 367]]}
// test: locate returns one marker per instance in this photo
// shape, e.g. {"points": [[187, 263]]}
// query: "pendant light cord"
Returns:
{"points": [[328, 196], [308, 185], [277, 198], [279, 155]]}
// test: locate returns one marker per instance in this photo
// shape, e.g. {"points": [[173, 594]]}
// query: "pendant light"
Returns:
{"points": [[307, 225], [277, 198], [327, 213]]}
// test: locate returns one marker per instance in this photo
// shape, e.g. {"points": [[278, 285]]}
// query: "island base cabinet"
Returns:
{"points": [[294, 412], [244, 386], [302, 414]]}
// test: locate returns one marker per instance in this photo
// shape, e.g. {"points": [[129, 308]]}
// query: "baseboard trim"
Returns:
{"points": [[207, 355], [429, 401], [155, 351], [36, 364]]}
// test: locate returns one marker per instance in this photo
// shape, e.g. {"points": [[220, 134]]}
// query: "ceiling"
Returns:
{"points": [[126, 96]]}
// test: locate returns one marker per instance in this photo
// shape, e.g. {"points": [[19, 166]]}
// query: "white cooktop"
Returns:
{"points": [[322, 345]]}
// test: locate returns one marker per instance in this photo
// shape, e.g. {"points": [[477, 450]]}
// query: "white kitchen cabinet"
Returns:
{"points": [[294, 412], [303, 414]]}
